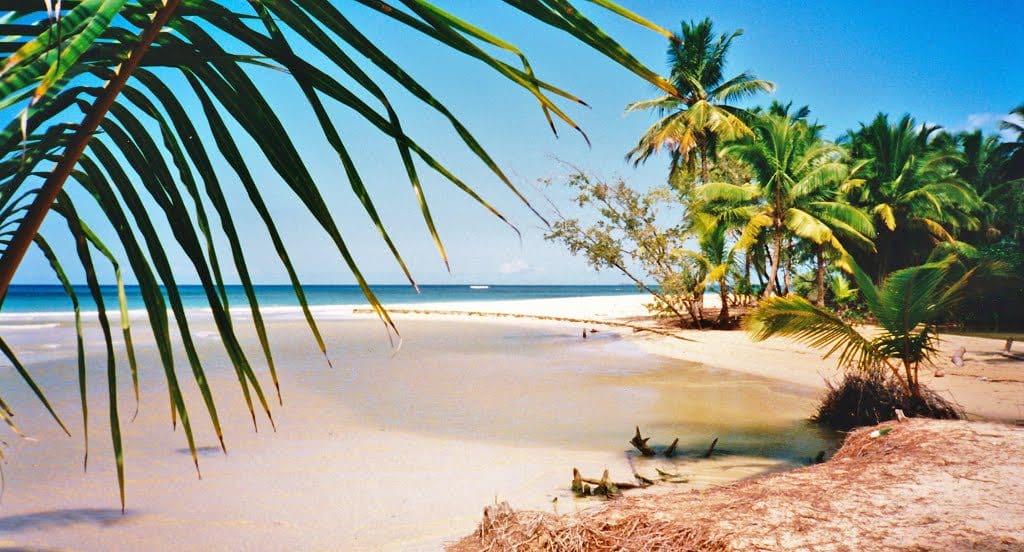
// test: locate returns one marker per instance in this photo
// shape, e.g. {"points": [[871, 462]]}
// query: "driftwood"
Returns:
{"points": [[581, 486], [671, 450], [641, 443], [644, 481], [711, 449], [670, 477]]}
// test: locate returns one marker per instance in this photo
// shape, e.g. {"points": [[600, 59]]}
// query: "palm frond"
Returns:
{"points": [[798, 319]]}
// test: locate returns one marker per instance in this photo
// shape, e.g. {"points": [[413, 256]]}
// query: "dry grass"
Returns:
{"points": [[925, 485], [505, 530]]}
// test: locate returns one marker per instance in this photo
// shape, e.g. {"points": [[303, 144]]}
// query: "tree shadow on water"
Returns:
{"points": [[61, 518]]}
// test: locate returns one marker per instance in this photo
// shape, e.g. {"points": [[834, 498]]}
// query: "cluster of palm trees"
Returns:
{"points": [[883, 196]]}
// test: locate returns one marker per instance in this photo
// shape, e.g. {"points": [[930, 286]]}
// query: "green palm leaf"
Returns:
{"points": [[89, 88]]}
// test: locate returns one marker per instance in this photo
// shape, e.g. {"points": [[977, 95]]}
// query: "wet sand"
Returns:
{"points": [[387, 450]]}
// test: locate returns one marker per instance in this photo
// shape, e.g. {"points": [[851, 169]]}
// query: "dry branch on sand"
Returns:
{"points": [[923, 485]]}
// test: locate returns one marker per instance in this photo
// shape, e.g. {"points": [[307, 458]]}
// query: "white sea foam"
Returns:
{"points": [[15, 327]]}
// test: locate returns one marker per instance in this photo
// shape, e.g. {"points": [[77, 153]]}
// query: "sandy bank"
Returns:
{"points": [[990, 384], [926, 485]]}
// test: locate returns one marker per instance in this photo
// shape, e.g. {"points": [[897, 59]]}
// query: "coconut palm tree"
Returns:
{"points": [[797, 177], [985, 168], [1014, 124], [1012, 200], [699, 115], [910, 186], [908, 305], [131, 104]]}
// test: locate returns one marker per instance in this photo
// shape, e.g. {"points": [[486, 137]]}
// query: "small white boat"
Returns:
{"points": [[479, 287]]}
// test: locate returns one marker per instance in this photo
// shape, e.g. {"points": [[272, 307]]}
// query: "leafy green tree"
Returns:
{"points": [[908, 306], [622, 230], [909, 184], [699, 115], [135, 102]]}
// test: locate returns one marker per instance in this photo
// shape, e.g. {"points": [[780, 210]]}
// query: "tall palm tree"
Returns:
{"points": [[699, 115], [1013, 170], [1014, 124], [797, 176], [985, 168], [908, 305], [910, 185], [135, 102]]}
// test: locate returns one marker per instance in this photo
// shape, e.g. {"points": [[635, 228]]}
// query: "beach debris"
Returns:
{"points": [[594, 330], [1009, 345], [606, 487], [671, 450], [900, 416], [880, 432], [641, 443], [644, 481], [939, 374], [958, 357], [581, 486], [711, 449], [672, 477], [584, 333]]}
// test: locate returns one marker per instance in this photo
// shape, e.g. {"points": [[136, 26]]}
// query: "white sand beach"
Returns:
{"points": [[400, 449]]}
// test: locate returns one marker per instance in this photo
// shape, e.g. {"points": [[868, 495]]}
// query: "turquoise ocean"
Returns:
{"points": [[52, 298]]}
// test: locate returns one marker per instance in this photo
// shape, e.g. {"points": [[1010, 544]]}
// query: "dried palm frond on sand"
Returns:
{"points": [[922, 485]]}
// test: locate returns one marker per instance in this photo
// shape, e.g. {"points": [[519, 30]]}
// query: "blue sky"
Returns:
{"points": [[953, 64]]}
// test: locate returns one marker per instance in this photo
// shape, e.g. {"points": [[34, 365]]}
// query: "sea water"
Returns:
{"points": [[52, 298]]}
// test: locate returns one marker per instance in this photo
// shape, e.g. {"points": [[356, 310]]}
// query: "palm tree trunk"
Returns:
{"points": [[821, 277], [50, 189], [773, 275], [787, 272], [883, 255], [704, 171], [746, 275], [723, 315]]}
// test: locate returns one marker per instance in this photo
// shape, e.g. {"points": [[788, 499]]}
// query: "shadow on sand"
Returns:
{"points": [[60, 518]]}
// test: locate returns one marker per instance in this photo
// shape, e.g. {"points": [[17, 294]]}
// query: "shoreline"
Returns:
{"points": [[989, 385], [492, 468]]}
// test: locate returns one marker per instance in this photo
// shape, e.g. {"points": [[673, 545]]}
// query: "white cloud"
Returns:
{"points": [[983, 121], [515, 266]]}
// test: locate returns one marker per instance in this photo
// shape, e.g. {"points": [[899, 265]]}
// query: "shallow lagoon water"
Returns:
{"points": [[389, 449]]}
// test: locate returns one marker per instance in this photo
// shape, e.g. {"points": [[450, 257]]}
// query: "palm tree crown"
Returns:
{"points": [[911, 187], [698, 115]]}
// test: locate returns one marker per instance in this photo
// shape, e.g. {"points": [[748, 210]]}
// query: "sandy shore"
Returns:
{"points": [[928, 485], [990, 384], [390, 450]]}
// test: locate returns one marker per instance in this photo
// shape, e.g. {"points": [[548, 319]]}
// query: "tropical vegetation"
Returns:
{"points": [[933, 217], [700, 114]]}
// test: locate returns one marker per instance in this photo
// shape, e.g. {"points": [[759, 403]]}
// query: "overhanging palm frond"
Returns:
{"points": [[798, 319], [88, 87]]}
